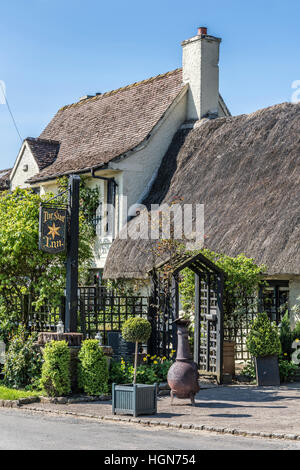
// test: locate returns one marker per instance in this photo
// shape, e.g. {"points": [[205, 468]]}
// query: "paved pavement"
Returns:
{"points": [[25, 430], [241, 407]]}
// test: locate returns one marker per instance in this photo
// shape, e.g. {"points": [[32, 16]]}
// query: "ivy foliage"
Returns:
{"points": [[56, 380], [89, 198], [263, 339], [92, 368], [23, 362]]}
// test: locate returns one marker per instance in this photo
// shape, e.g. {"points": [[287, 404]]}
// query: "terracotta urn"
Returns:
{"points": [[183, 374]]}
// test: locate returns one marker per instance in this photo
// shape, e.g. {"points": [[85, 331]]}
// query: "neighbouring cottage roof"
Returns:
{"points": [[98, 129], [4, 179], [44, 151], [246, 172]]}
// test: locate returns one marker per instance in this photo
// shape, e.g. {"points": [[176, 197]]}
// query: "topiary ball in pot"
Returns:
{"points": [[136, 330], [135, 399]]}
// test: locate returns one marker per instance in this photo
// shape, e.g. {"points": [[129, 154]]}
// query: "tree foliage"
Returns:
{"points": [[23, 267]]}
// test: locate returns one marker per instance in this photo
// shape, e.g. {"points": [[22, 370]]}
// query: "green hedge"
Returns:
{"points": [[92, 369], [56, 379]]}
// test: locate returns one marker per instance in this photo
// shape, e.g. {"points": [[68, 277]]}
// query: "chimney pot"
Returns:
{"points": [[202, 31]]}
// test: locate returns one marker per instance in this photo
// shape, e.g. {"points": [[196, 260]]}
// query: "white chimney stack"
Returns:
{"points": [[200, 64]]}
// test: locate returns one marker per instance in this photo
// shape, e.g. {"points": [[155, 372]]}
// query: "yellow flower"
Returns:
{"points": [[164, 358], [297, 340], [154, 362], [148, 355], [285, 354], [144, 359]]}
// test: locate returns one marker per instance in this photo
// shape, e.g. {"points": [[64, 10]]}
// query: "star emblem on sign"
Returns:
{"points": [[53, 231]]}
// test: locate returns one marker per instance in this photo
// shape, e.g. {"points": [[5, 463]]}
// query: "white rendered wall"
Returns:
{"points": [[200, 64], [294, 299], [146, 162], [19, 175]]}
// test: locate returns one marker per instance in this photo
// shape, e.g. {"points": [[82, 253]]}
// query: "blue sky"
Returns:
{"points": [[52, 52]]}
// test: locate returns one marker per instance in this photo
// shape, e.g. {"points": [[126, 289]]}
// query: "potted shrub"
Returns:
{"points": [[263, 343], [135, 399]]}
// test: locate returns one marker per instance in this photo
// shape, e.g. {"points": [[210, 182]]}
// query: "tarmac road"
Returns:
{"points": [[24, 430]]}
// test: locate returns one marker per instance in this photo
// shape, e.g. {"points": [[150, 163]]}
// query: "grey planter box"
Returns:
{"points": [[267, 370], [136, 399]]}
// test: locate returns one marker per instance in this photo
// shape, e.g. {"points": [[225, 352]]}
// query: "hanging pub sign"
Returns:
{"points": [[53, 228]]}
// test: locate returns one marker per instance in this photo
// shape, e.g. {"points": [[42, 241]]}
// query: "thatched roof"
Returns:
{"points": [[246, 172]]}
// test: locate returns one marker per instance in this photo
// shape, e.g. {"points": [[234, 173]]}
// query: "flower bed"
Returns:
{"points": [[153, 370]]}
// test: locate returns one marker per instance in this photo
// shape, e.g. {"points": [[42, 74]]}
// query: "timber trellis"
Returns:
{"points": [[101, 310], [44, 318]]}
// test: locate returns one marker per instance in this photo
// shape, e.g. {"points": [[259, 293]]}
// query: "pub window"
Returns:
{"points": [[274, 298], [104, 219], [110, 209], [98, 220]]}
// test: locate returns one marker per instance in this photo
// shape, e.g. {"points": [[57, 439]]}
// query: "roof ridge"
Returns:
{"points": [[117, 90], [41, 139]]}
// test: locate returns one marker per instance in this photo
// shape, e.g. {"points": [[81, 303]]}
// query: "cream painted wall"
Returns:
{"points": [[19, 176], [134, 173], [200, 59], [48, 188], [141, 167], [294, 299]]}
